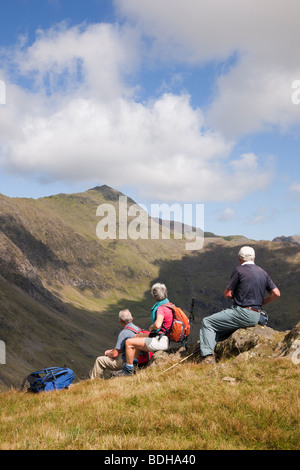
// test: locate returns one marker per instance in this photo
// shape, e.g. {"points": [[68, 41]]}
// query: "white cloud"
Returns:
{"points": [[295, 189], [264, 215], [209, 29], [82, 123], [161, 148], [259, 216], [226, 215], [252, 98], [97, 56], [255, 91]]}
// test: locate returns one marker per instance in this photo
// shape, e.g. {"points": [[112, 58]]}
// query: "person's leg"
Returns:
{"points": [[210, 327], [157, 343], [137, 344], [226, 321], [104, 363], [132, 347]]}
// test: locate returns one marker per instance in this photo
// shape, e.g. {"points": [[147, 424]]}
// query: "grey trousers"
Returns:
{"points": [[223, 323]]}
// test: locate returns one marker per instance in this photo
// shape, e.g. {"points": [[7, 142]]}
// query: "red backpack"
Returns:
{"points": [[144, 356], [180, 328]]}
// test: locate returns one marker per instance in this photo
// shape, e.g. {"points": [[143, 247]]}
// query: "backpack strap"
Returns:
{"points": [[170, 306], [132, 329]]}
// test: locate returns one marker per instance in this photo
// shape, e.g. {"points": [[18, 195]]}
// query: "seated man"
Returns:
{"points": [[247, 287], [114, 359]]}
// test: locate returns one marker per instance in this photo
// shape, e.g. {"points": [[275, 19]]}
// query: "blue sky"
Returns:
{"points": [[176, 101]]}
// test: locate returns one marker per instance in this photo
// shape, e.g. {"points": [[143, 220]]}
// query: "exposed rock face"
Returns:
{"points": [[290, 346], [261, 339], [243, 344]]}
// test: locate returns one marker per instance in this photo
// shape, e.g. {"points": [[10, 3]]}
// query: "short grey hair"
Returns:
{"points": [[247, 253], [125, 316], [159, 291]]}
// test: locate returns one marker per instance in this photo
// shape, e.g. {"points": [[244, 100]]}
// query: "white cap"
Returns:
{"points": [[247, 253]]}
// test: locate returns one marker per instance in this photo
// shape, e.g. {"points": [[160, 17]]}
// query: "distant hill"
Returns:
{"points": [[61, 287], [293, 239]]}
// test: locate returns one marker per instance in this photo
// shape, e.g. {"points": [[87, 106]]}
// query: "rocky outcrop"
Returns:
{"points": [[290, 346], [260, 340], [243, 344]]}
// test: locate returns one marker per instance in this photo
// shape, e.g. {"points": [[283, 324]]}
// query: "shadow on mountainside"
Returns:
{"points": [[37, 252], [38, 335], [204, 275], [21, 256]]}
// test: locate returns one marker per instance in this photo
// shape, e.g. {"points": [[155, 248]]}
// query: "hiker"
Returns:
{"points": [[114, 359], [156, 340], [246, 288]]}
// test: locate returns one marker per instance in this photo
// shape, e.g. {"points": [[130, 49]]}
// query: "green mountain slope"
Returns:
{"points": [[61, 287]]}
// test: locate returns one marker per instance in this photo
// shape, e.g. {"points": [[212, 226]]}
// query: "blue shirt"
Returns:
{"points": [[125, 334], [248, 284]]}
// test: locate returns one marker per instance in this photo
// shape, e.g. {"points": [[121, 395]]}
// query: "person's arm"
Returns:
{"points": [[230, 288], [274, 294], [112, 353], [158, 323], [228, 294]]}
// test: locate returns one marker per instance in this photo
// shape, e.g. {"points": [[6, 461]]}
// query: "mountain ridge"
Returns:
{"points": [[295, 239]]}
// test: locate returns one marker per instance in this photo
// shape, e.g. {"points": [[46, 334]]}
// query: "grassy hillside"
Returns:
{"points": [[61, 287], [237, 405]]}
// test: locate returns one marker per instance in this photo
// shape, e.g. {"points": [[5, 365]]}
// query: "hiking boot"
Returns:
{"points": [[210, 360], [114, 374], [119, 373], [125, 372]]}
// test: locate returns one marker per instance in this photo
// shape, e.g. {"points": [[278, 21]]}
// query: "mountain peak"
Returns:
{"points": [[295, 239], [110, 194], [107, 192]]}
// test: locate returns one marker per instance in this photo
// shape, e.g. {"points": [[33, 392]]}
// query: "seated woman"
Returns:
{"points": [[157, 339]]}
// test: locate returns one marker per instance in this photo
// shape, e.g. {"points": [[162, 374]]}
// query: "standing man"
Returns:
{"points": [[247, 287], [114, 359]]}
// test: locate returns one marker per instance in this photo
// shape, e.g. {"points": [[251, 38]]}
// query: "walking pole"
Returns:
{"points": [[191, 319], [192, 316], [184, 359]]}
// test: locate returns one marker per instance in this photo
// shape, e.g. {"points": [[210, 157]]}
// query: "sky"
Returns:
{"points": [[168, 101]]}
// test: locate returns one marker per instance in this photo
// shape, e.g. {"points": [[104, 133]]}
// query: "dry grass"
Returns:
{"points": [[187, 408]]}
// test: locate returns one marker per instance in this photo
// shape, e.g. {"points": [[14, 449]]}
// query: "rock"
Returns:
{"points": [[175, 354], [231, 380], [245, 339], [242, 345], [290, 346], [159, 357], [245, 356]]}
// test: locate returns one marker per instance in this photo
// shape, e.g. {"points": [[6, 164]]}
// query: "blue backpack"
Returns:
{"points": [[52, 378]]}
